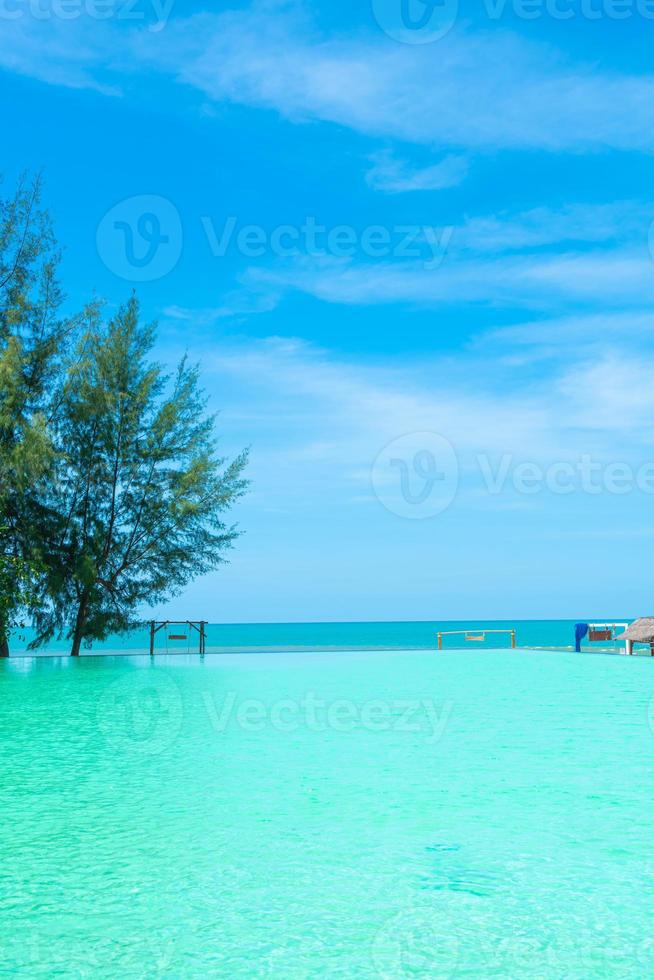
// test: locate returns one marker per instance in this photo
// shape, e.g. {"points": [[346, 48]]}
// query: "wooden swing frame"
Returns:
{"points": [[199, 625], [475, 635]]}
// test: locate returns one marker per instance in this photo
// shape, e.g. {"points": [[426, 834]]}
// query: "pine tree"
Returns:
{"points": [[33, 343], [136, 508], [17, 596]]}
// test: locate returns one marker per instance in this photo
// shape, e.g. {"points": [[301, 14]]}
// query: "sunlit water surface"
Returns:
{"points": [[463, 814]]}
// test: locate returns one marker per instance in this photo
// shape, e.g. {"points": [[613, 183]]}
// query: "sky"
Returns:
{"points": [[410, 244]]}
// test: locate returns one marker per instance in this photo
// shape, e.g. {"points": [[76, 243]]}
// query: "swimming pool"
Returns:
{"points": [[470, 813]]}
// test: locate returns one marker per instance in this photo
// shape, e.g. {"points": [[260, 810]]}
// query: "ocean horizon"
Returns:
{"points": [[556, 634]]}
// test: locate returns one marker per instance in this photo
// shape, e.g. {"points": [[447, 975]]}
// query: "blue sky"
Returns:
{"points": [[447, 392]]}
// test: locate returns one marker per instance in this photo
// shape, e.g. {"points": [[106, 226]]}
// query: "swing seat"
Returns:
{"points": [[173, 636], [600, 636]]}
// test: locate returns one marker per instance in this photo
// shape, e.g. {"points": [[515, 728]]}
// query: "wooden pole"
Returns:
{"points": [[513, 639], [440, 641], [152, 638]]}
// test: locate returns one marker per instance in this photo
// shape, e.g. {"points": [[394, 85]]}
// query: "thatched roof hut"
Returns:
{"points": [[642, 631]]}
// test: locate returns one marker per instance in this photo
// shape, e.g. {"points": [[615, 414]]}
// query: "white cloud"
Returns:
{"points": [[338, 414], [328, 417], [540, 282], [561, 333], [73, 54], [238, 303], [397, 176], [543, 258], [487, 90], [613, 393], [317, 422], [606, 224]]}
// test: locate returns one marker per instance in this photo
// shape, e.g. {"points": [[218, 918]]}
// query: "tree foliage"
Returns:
{"points": [[17, 596], [33, 337], [112, 494], [140, 493], [33, 346]]}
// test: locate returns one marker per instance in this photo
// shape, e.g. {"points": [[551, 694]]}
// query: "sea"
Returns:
{"points": [[553, 634]]}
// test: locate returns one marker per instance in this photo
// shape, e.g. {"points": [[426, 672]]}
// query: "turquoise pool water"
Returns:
{"points": [[394, 815]]}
